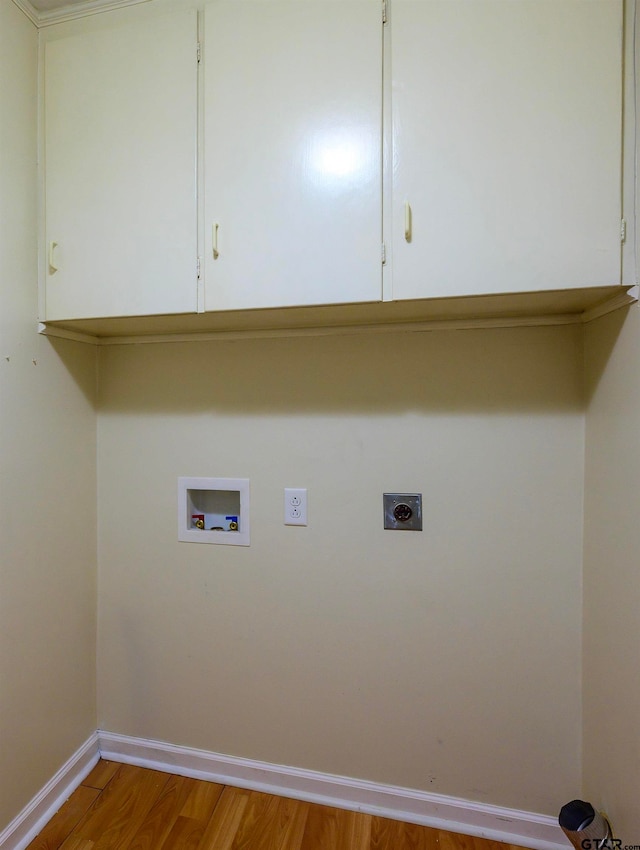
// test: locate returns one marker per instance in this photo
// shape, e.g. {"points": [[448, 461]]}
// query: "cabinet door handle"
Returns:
{"points": [[408, 223], [216, 253], [52, 266]]}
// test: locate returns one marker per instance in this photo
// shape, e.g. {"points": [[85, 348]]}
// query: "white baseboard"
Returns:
{"points": [[24, 828], [526, 829]]}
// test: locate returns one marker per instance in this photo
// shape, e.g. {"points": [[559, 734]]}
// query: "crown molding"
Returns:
{"points": [[72, 11], [26, 7]]}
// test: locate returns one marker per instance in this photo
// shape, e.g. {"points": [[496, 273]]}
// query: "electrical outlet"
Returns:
{"points": [[402, 511], [295, 506]]}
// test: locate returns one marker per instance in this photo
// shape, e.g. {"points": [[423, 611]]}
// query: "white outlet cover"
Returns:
{"points": [[295, 506]]}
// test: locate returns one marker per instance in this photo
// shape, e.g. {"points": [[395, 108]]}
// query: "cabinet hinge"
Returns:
{"points": [[384, 253], [198, 267], [384, 11], [199, 52], [623, 230]]}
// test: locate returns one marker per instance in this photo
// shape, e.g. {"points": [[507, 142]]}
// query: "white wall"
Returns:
{"points": [[611, 571], [47, 475], [447, 660]]}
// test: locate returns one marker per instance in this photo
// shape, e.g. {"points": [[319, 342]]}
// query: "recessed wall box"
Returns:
{"points": [[214, 510]]}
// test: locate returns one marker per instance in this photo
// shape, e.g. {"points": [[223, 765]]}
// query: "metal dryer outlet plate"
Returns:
{"points": [[402, 511]]}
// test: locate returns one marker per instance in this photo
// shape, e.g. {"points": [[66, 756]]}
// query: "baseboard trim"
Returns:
{"points": [[526, 829], [24, 828]]}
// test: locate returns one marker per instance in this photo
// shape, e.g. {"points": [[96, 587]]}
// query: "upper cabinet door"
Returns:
{"points": [[506, 145], [293, 111], [120, 144]]}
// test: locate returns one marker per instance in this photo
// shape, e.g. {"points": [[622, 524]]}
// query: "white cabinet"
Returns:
{"points": [[506, 145], [502, 122], [293, 153], [120, 152]]}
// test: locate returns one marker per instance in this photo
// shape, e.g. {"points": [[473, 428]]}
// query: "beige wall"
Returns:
{"points": [[447, 660], [47, 476], [611, 571]]}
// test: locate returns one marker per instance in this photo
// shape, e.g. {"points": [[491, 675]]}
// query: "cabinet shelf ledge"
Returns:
{"points": [[511, 310]]}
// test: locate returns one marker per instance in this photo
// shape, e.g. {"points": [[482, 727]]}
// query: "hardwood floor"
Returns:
{"points": [[121, 807]]}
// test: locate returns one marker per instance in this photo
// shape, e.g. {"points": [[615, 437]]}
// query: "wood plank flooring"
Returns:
{"points": [[121, 807]]}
